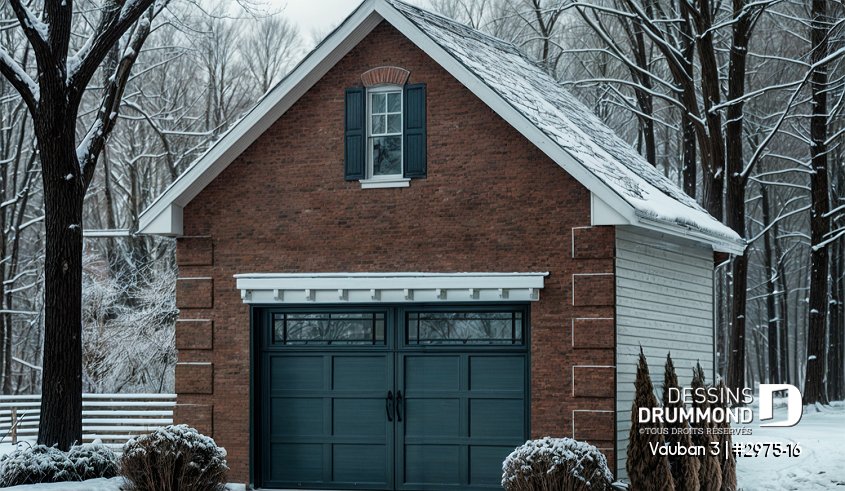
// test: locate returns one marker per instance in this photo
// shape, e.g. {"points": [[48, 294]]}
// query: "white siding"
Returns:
{"points": [[664, 303]]}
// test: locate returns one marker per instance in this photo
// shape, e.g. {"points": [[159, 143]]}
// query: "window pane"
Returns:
{"points": [[464, 328], [394, 102], [378, 125], [394, 123], [329, 329], [387, 155], [378, 103]]}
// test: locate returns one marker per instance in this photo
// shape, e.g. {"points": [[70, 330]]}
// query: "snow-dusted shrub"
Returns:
{"points": [[41, 464], [556, 464], [93, 460], [174, 458]]}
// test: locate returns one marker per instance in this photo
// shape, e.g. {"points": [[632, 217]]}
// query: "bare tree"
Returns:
{"points": [[814, 387], [53, 98], [269, 51]]}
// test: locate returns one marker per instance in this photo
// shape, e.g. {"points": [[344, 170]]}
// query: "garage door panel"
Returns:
{"points": [[325, 408], [359, 464], [292, 373], [490, 418], [296, 462], [296, 417], [432, 373], [359, 417], [485, 464], [432, 417], [432, 464], [498, 373], [360, 373]]}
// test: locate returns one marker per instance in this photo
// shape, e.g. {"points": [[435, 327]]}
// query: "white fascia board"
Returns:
{"points": [[272, 106], [718, 245], [389, 287]]}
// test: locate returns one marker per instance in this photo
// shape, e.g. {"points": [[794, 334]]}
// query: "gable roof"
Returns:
{"points": [[514, 87]]}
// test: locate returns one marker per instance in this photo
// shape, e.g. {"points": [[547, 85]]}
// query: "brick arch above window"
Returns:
{"points": [[385, 75]]}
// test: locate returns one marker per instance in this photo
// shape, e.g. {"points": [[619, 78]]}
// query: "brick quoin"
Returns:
{"points": [[194, 293], [194, 378], [591, 333], [198, 416], [593, 289], [194, 334], [492, 202]]}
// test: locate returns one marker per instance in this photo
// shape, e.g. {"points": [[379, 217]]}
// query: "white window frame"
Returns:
{"points": [[388, 181]]}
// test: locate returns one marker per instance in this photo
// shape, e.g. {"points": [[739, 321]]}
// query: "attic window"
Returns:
{"points": [[384, 142], [385, 135]]}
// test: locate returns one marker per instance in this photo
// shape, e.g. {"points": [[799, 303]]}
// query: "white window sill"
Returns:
{"points": [[399, 182]]}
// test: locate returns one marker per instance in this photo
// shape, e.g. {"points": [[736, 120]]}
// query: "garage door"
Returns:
{"points": [[391, 398]]}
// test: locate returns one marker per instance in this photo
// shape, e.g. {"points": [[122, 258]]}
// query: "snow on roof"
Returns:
{"points": [[564, 119], [512, 85]]}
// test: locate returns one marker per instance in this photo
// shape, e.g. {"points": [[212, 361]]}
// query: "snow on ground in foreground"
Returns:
{"points": [[90, 485], [820, 465]]}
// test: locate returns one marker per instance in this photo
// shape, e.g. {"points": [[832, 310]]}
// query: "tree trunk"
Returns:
{"points": [[735, 198], [814, 387], [643, 92], [714, 154], [835, 386], [61, 402], [783, 304], [689, 171], [771, 292]]}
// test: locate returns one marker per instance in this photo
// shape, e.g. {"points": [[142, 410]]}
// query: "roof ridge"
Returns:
{"points": [[460, 25], [454, 22]]}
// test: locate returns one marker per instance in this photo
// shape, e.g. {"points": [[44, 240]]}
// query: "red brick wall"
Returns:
{"points": [[491, 202]]}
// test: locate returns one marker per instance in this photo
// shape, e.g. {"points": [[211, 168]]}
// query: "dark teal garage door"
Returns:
{"points": [[391, 398]]}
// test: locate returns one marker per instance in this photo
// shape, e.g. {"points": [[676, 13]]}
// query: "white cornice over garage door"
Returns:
{"points": [[299, 288]]}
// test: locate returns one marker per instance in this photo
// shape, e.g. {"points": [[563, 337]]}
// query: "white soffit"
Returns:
{"points": [[322, 288]]}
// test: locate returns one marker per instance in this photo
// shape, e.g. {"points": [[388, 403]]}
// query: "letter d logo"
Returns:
{"points": [[793, 404]]}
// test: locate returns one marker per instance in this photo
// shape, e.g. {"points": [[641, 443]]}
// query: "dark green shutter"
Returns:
{"points": [[414, 130], [355, 134]]}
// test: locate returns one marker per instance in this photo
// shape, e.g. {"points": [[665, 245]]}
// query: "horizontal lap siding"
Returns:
{"points": [[664, 303]]}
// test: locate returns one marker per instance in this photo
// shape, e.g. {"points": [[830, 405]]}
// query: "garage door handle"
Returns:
{"points": [[399, 406], [389, 405]]}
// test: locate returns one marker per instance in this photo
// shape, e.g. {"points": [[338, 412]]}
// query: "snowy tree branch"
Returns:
{"points": [[116, 20], [20, 80], [36, 33], [91, 146]]}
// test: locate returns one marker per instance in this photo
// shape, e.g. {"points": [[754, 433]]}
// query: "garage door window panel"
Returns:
{"points": [[451, 328], [329, 329]]}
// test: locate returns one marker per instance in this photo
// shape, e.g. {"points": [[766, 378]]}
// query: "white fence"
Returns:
{"points": [[112, 418]]}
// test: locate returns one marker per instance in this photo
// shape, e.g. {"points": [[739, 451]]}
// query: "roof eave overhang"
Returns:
{"points": [[360, 23], [719, 244]]}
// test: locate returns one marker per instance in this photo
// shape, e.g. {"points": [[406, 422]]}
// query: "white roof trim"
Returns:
{"points": [[321, 288], [333, 48]]}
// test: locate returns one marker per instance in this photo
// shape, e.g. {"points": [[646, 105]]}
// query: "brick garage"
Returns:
{"points": [[491, 201]]}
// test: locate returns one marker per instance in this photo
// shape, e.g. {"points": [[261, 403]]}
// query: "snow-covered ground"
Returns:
{"points": [[821, 465], [90, 485]]}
